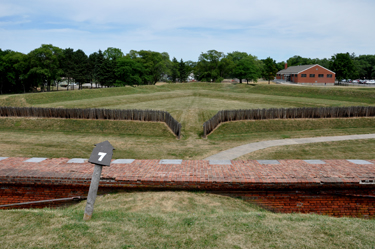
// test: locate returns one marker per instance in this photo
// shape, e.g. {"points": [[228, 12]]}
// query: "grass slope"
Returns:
{"points": [[178, 220], [191, 104], [355, 149]]}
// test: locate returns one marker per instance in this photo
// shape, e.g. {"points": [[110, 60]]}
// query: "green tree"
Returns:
{"points": [[245, 66], [13, 72], [175, 70], [298, 61], [129, 72], [190, 67], [67, 65], [156, 64], [269, 69], [113, 53], [99, 74], [21, 68], [343, 66], [45, 64], [107, 73], [251, 68], [81, 66], [183, 74], [208, 66], [365, 66]]}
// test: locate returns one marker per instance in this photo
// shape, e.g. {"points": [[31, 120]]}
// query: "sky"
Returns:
{"points": [[185, 29]]}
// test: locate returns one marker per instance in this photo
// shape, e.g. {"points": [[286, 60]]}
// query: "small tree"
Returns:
{"points": [[182, 71], [174, 70], [269, 69]]}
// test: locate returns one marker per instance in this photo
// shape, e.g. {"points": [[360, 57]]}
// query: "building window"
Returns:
{"points": [[329, 75], [295, 75], [312, 75], [303, 75], [321, 75]]}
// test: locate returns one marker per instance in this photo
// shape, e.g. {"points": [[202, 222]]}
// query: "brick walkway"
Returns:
{"points": [[198, 171]]}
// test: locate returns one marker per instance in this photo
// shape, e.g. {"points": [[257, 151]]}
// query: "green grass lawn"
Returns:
{"points": [[190, 104], [178, 220]]}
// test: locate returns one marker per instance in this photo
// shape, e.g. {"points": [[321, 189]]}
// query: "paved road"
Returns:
{"points": [[248, 148]]}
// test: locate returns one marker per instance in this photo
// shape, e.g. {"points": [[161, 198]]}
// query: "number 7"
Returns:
{"points": [[102, 155]]}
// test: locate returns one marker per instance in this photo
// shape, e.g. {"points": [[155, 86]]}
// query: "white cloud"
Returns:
{"points": [[275, 28]]}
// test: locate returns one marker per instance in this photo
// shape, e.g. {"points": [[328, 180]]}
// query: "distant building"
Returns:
{"points": [[307, 74]]}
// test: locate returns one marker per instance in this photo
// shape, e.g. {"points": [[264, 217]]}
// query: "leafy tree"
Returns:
{"points": [[21, 68], [13, 71], [226, 66], [236, 56], [365, 66], [298, 61], [323, 62], [190, 67], [207, 68], [129, 72], [156, 64], [244, 66], [343, 66], [113, 53], [81, 66], [174, 70], [250, 67], [45, 64], [269, 69]]}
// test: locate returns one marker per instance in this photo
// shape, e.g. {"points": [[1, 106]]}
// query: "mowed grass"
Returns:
{"points": [[351, 149], [191, 104], [178, 220]]}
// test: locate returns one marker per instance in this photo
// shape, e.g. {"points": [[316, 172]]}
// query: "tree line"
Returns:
{"points": [[49, 65]]}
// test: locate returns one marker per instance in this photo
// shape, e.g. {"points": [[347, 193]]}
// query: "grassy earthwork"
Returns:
{"points": [[178, 220], [191, 104], [182, 219]]}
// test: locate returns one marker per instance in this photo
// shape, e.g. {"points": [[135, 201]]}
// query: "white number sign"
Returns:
{"points": [[102, 155]]}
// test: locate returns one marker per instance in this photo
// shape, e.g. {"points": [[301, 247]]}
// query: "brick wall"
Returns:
{"points": [[337, 187], [315, 70], [333, 202]]}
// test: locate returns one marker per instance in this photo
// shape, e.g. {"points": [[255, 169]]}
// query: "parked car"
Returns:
{"points": [[362, 81], [355, 81], [370, 81]]}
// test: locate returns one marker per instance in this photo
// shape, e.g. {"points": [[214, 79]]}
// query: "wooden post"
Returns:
{"points": [[100, 156], [93, 191]]}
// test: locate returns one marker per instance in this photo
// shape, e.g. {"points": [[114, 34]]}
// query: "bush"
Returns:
{"points": [[219, 80]]}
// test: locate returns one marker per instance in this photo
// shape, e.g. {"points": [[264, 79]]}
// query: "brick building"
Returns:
{"points": [[307, 74]]}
